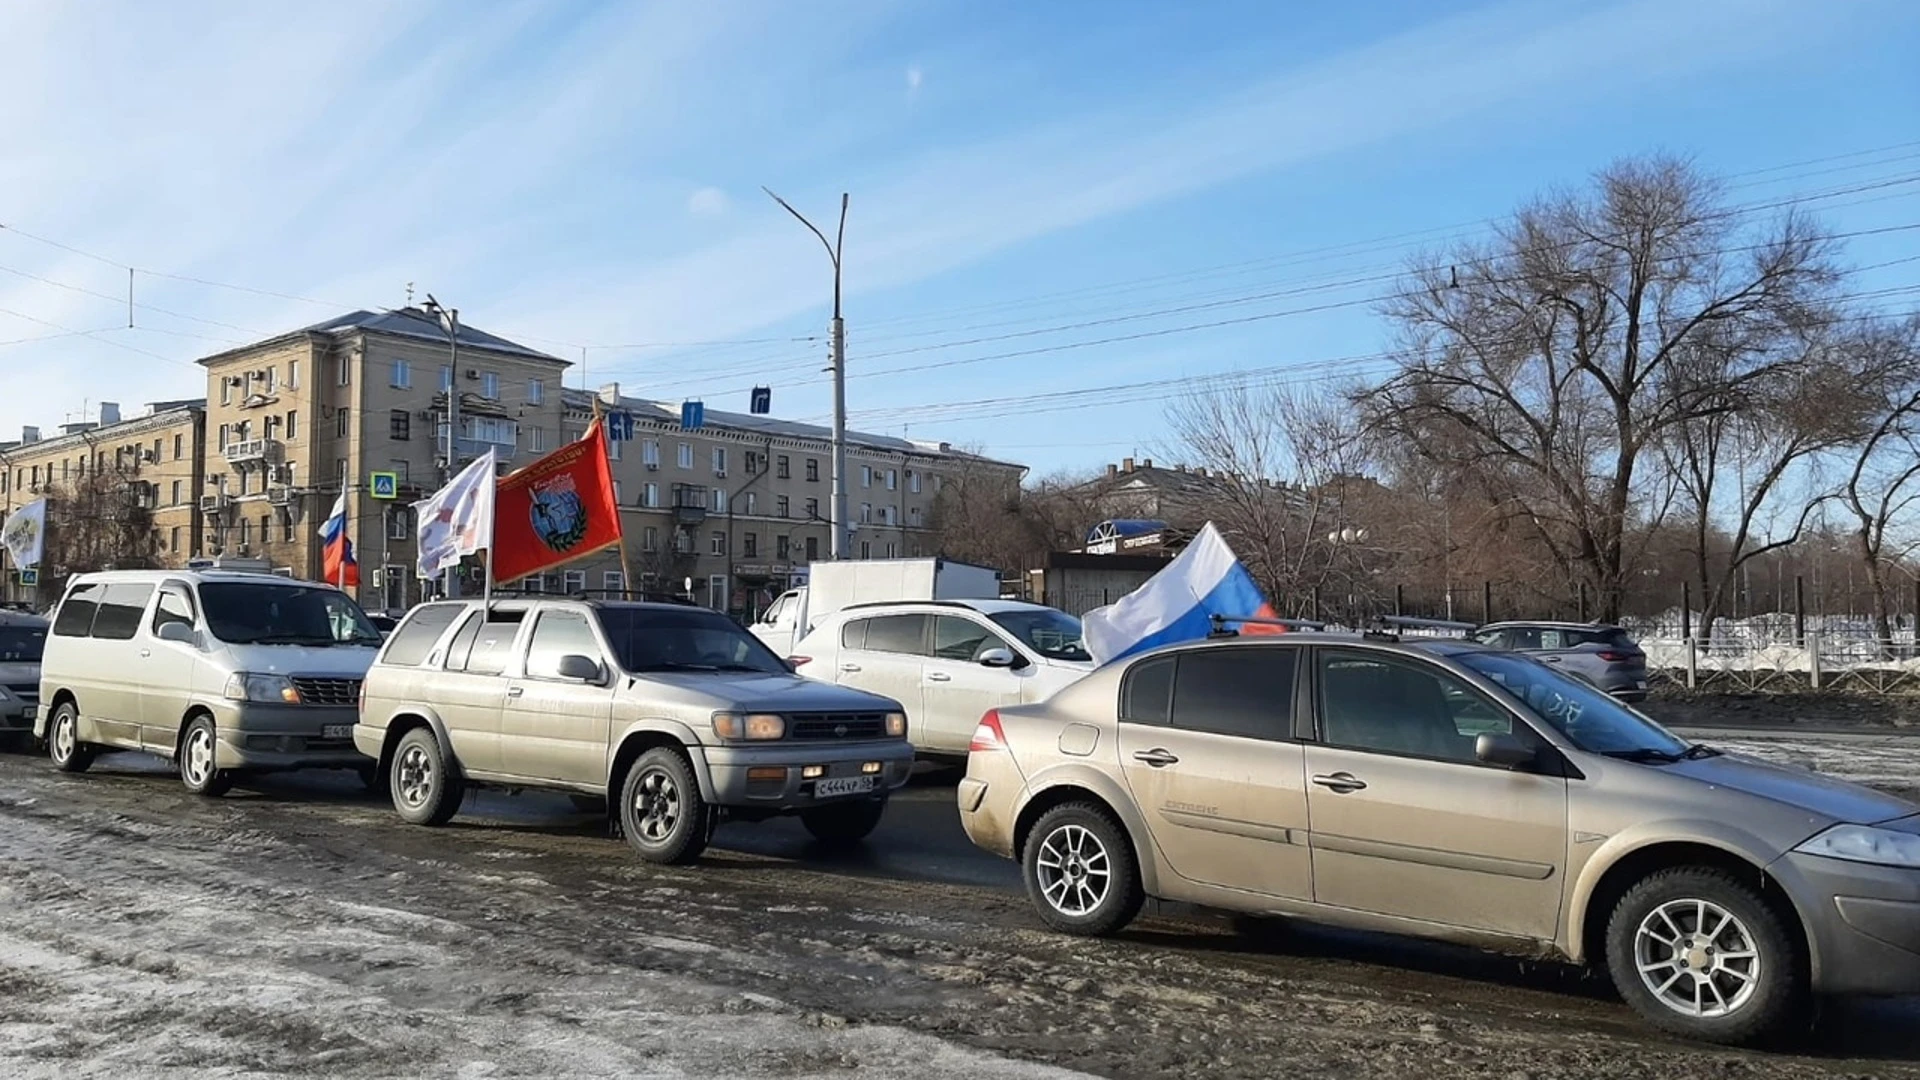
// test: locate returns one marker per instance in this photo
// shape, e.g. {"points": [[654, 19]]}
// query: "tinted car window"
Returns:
{"points": [[1522, 637], [1370, 702], [1242, 692], [22, 644], [412, 642], [120, 611], [558, 634], [897, 634], [75, 618], [173, 607], [955, 638], [684, 639], [1147, 694]]}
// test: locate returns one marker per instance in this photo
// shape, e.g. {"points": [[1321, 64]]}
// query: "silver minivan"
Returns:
{"points": [[23, 638], [221, 672]]}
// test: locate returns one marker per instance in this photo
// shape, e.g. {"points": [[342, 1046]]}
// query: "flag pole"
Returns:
{"points": [[626, 566]]}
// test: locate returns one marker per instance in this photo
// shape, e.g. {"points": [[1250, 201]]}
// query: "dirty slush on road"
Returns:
{"points": [[147, 932]]}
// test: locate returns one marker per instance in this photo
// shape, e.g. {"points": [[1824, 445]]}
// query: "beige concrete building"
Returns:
{"points": [[95, 471]]}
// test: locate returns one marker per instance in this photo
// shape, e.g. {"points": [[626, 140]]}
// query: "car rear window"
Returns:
{"points": [[75, 618], [1612, 636], [412, 642], [1146, 697]]}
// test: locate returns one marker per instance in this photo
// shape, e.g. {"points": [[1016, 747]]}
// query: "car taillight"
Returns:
{"points": [[1613, 656], [988, 736], [799, 661]]}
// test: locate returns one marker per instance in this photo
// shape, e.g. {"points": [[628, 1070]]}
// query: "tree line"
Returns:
{"points": [[1623, 388]]}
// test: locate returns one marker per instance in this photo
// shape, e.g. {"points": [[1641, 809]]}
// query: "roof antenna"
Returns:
{"points": [[409, 294]]}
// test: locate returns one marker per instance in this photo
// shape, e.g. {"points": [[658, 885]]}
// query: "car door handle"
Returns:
{"points": [[1156, 757], [516, 691], [146, 652], [939, 676], [1341, 782], [849, 667]]}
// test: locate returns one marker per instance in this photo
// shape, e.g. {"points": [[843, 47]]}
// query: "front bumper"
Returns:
{"points": [[16, 716], [1863, 923], [728, 766], [266, 737]]}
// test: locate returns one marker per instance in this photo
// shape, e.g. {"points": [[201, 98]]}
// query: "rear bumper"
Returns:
{"points": [[735, 772], [1863, 923], [262, 737], [987, 797]]}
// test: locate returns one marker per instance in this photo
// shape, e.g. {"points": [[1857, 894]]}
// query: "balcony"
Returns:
{"points": [[265, 453], [689, 504], [479, 434]]}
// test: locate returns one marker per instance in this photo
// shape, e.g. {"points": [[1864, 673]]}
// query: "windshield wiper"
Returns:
{"points": [[289, 639], [1698, 751], [1642, 754]]}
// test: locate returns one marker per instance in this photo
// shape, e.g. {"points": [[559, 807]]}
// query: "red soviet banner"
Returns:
{"points": [[555, 510]]}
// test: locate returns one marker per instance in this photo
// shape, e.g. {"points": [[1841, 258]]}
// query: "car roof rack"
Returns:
{"points": [[1409, 622], [1220, 624]]}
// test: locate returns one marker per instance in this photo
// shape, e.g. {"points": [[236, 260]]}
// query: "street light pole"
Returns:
{"points": [[450, 322], [839, 537]]}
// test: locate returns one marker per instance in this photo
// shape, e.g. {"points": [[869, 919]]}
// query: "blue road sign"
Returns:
{"points": [[693, 414], [384, 485]]}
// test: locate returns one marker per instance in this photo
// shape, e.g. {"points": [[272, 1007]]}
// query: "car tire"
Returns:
{"points": [[69, 754], [1080, 871], [662, 814], [1676, 923], [199, 749], [425, 787], [844, 824]]}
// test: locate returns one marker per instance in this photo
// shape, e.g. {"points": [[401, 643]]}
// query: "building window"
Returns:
{"points": [[286, 528], [650, 495], [866, 549], [913, 516], [536, 440], [813, 469], [221, 442], [176, 494], [650, 453], [756, 462], [783, 467], [173, 539], [536, 392], [813, 509], [719, 500], [782, 506], [893, 479], [614, 582], [293, 374], [179, 447], [536, 583], [686, 455], [813, 548], [400, 425], [446, 378], [866, 476], [573, 581], [893, 550], [346, 371], [750, 545], [866, 513], [913, 481], [399, 468], [226, 390], [490, 386], [782, 547], [718, 544], [719, 461], [616, 493], [402, 377], [293, 426], [246, 531], [753, 503], [650, 539], [397, 522], [341, 423]]}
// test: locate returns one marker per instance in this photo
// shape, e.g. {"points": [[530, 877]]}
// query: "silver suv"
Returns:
{"points": [[676, 712]]}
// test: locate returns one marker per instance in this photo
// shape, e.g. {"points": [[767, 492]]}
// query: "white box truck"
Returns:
{"points": [[835, 585]]}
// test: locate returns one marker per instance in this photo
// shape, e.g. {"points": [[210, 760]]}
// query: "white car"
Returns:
{"points": [[947, 661]]}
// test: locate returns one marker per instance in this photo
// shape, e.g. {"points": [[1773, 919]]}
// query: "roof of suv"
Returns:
{"points": [[1550, 624], [983, 605], [243, 576]]}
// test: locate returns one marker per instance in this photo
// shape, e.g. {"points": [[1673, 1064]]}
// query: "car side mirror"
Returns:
{"points": [[582, 668], [1503, 749], [995, 658], [177, 632]]}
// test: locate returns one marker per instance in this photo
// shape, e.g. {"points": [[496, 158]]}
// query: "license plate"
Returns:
{"points": [[850, 785], [337, 731]]}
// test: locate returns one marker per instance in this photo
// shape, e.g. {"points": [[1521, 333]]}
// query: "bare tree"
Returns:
{"points": [[1544, 364], [1284, 464], [100, 521], [1882, 483]]}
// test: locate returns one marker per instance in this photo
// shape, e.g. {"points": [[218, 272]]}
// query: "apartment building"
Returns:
{"points": [[739, 506], [111, 472], [294, 421]]}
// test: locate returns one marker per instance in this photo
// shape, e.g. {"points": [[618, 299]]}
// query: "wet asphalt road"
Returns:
{"points": [[919, 931]]}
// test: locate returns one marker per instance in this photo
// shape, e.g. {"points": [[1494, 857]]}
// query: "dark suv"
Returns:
{"points": [[1594, 652]]}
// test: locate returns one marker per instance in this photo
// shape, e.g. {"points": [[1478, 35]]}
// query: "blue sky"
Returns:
{"points": [[578, 175]]}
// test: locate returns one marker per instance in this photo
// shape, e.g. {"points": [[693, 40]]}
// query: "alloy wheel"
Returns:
{"points": [[1074, 870], [1697, 958], [196, 762], [63, 736], [414, 774], [656, 805]]}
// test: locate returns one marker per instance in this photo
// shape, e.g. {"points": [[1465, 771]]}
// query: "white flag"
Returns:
{"points": [[25, 534], [457, 520]]}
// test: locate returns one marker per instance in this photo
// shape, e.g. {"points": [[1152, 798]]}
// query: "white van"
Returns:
{"points": [[220, 671]]}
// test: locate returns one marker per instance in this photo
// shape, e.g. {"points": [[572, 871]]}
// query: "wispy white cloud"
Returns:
{"points": [[708, 202]]}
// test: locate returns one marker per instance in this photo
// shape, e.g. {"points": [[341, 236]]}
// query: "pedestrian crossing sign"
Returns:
{"points": [[385, 485]]}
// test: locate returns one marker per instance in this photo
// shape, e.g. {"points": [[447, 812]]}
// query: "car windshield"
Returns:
{"points": [[259, 614], [1590, 718], [1051, 633], [22, 644], [684, 639]]}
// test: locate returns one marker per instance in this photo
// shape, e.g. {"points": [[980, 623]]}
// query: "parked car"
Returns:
{"points": [[1602, 655], [676, 715], [23, 638], [947, 661], [1444, 790], [382, 624], [219, 671]]}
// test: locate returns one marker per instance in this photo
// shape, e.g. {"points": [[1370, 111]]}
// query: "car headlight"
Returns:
{"points": [[274, 688], [897, 724], [1866, 844], [754, 727]]}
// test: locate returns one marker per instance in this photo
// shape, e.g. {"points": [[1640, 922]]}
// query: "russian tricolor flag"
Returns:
{"points": [[336, 551], [1179, 603]]}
